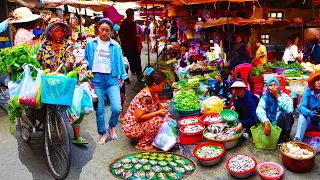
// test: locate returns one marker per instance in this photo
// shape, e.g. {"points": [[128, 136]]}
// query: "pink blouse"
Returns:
{"points": [[24, 36]]}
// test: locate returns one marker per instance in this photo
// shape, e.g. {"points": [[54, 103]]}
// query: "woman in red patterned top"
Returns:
{"points": [[144, 116]]}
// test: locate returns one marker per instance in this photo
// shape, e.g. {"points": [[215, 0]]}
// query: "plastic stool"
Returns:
{"points": [[245, 71]]}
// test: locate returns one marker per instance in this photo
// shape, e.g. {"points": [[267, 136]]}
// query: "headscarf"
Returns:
{"points": [[51, 30], [271, 101]]}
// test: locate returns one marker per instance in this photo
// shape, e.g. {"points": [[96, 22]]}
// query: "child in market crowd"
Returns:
{"points": [[145, 114], [221, 88], [275, 108], [309, 108], [245, 104]]}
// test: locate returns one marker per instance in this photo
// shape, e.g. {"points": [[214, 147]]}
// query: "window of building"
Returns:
{"points": [[265, 38], [278, 15]]}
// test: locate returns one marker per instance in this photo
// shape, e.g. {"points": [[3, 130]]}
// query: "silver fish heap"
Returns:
{"points": [[241, 163]]}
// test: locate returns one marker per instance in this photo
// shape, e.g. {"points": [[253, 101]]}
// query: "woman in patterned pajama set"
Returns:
{"points": [[145, 115]]}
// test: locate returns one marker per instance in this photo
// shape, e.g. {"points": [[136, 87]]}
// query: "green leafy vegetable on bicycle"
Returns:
{"points": [[12, 60]]}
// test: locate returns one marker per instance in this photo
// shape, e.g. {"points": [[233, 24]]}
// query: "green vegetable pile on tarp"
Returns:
{"points": [[12, 60]]}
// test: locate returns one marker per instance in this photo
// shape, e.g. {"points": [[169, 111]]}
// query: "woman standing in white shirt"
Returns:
{"points": [[291, 53]]}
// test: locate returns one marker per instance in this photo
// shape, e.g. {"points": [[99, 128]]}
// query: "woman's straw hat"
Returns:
{"points": [[23, 14]]}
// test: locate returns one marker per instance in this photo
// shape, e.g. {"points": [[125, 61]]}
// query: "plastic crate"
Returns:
{"points": [[258, 88], [57, 90]]}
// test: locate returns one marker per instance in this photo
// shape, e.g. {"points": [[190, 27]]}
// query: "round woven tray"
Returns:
{"points": [[187, 174]]}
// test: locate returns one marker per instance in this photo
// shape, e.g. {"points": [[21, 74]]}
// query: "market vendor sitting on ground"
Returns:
{"points": [[221, 88], [275, 108], [309, 108], [54, 51], [245, 104], [144, 116], [291, 52]]}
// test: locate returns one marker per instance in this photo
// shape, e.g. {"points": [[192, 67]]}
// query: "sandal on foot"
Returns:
{"points": [[80, 140], [113, 138], [148, 148]]}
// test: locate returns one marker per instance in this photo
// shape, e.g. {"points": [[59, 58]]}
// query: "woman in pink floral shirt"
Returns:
{"points": [[23, 22]]}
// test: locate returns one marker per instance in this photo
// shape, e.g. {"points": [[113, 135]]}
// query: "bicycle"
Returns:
{"points": [[52, 120]]}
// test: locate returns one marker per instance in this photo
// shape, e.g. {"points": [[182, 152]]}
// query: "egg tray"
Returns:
{"points": [[158, 165]]}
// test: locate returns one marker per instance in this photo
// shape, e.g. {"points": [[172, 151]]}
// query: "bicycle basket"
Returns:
{"points": [[57, 90], [261, 141]]}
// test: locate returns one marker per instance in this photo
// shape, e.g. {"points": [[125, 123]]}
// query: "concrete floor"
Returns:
{"points": [[20, 160]]}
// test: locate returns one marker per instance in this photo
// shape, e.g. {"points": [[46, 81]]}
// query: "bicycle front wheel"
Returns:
{"points": [[57, 143]]}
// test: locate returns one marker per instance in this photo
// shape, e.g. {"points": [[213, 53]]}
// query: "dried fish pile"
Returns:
{"points": [[208, 152], [188, 121], [212, 119], [270, 171], [192, 128], [241, 163], [220, 132]]}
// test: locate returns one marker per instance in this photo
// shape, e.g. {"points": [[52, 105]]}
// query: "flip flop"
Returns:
{"points": [[114, 138], [80, 140]]}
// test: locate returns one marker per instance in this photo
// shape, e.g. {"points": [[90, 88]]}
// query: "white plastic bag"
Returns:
{"points": [[166, 137], [30, 89], [81, 102]]}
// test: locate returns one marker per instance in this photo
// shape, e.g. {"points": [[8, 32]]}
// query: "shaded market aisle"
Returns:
{"points": [[20, 160]]}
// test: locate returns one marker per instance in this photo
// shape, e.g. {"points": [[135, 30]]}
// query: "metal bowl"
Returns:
{"points": [[210, 163], [231, 144], [241, 176], [228, 144]]}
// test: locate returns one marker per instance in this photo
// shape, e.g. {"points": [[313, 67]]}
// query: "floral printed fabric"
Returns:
{"points": [[285, 104], [50, 58], [24, 36], [144, 132]]}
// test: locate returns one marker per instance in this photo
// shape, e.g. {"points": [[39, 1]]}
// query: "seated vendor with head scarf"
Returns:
{"points": [[221, 88], [275, 107], [309, 108], [245, 104]]}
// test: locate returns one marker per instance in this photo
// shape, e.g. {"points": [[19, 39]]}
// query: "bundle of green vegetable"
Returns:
{"points": [[268, 66], [12, 60], [188, 105], [280, 64], [189, 95], [213, 74], [257, 71], [200, 77], [170, 78], [183, 84], [292, 73], [295, 65]]}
